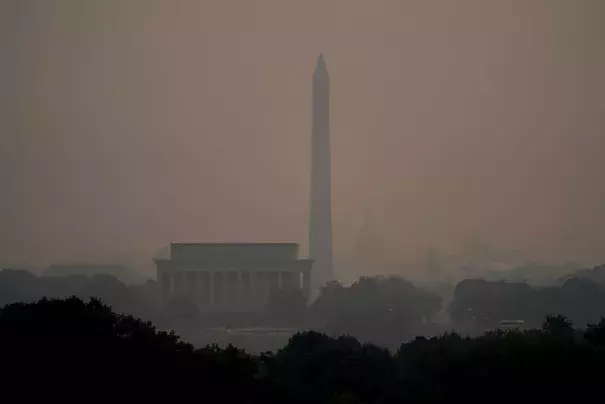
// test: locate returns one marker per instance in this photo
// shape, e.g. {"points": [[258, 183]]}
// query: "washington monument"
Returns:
{"points": [[320, 223]]}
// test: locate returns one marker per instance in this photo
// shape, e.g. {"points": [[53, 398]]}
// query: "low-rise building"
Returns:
{"points": [[232, 276]]}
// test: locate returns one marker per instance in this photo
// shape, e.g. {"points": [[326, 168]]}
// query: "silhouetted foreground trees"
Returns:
{"points": [[66, 349], [551, 363], [71, 346]]}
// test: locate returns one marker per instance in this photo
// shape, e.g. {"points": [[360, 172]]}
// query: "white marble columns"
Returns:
{"points": [[232, 289]]}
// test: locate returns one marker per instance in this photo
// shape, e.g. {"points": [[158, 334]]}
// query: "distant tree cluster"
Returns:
{"points": [[124, 274], [384, 310], [75, 350], [22, 286], [381, 310], [480, 305], [595, 274]]}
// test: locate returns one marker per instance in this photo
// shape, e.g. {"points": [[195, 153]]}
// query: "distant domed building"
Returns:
{"points": [[369, 256]]}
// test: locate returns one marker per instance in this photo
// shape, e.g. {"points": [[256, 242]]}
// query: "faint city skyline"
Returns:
{"points": [[125, 125]]}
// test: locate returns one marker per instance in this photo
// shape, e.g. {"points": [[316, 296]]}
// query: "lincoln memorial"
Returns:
{"points": [[232, 276]]}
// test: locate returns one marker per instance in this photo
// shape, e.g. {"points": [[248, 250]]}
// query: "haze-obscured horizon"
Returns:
{"points": [[127, 125]]}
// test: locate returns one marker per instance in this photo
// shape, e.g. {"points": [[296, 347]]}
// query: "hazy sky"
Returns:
{"points": [[129, 124]]}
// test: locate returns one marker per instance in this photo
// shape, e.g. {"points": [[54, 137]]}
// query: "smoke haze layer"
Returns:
{"points": [[126, 125]]}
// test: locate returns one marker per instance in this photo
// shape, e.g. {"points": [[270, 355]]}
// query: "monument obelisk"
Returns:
{"points": [[320, 222]]}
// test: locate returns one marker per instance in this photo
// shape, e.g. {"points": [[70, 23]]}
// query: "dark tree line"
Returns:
{"points": [[69, 350], [381, 310], [385, 310]]}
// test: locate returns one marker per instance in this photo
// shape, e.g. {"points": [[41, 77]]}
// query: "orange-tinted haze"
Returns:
{"points": [[129, 124]]}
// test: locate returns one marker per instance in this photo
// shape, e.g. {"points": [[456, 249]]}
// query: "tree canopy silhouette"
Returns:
{"points": [[90, 346], [72, 349]]}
